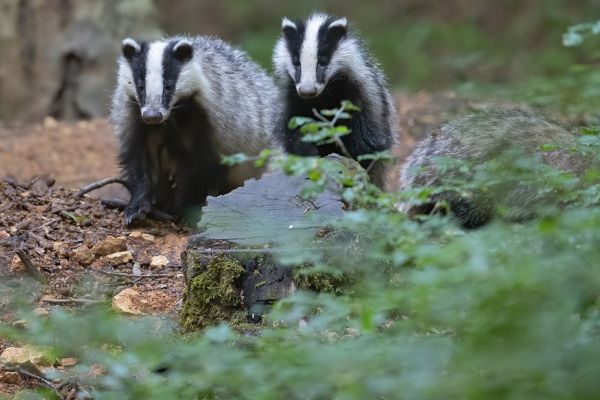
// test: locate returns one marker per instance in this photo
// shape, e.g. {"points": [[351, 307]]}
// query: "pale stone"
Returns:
{"points": [[159, 262], [125, 302], [120, 258]]}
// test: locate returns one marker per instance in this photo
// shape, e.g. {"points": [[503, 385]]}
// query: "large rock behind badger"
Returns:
{"points": [[231, 268], [58, 55]]}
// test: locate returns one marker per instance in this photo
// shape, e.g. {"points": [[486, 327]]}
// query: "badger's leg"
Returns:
{"points": [[139, 187], [137, 174], [294, 145]]}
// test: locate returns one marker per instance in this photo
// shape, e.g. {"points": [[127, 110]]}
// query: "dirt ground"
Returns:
{"points": [[42, 166]]}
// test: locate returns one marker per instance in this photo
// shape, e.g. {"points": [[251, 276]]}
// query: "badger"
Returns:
{"points": [[318, 63], [479, 138], [180, 104]]}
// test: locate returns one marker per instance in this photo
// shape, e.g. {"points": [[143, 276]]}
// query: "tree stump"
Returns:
{"points": [[231, 268]]}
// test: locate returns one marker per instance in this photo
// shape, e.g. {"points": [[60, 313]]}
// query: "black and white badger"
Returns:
{"points": [[319, 63], [179, 105]]}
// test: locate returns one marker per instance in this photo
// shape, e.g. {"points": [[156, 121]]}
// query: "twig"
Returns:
{"points": [[134, 275], [44, 243], [98, 184], [43, 380], [52, 221], [31, 269], [23, 225], [331, 124], [63, 210], [71, 301]]}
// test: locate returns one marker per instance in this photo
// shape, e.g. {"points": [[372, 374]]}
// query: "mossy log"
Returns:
{"points": [[231, 267]]}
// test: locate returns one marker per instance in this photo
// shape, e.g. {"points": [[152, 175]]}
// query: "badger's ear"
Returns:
{"points": [[288, 28], [338, 29], [183, 50], [130, 47]]}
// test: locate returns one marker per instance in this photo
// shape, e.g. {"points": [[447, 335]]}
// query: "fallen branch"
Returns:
{"points": [[31, 268], [37, 376], [141, 276], [70, 301], [98, 184]]}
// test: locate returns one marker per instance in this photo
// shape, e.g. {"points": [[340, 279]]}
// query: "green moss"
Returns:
{"points": [[322, 282], [211, 296]]}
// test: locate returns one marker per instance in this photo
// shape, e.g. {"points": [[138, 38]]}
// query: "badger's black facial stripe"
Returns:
{"points": [[173, 62], [294, 39], [137, 62], [329, 39]]}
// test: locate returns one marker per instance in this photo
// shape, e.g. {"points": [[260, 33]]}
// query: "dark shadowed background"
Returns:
{"points": [[57, 56]]}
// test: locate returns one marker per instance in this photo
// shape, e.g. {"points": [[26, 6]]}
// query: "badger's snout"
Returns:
{"points": [[308, 91], [152, 116]]}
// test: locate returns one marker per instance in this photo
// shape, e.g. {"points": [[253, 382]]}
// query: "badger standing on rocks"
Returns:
{"points": [[179, 105], [318, 64], [479, 138]]}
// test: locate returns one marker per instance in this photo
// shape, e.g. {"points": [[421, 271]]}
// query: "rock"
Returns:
{"points": [[49, 123], [159, 262], [83, 255], [22, 355], [136, 234], [20, 323], [148, 237], [68, 362], [10, 378], [120, 258], [110, 245], [4, 235], [60, 248], [41, 312], [16, 265], [222, 285], [125, 302]]}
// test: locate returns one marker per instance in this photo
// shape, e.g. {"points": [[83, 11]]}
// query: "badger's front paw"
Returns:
{"points": [[137, 210]]}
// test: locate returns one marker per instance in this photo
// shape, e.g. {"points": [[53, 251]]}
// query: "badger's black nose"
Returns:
{"points": [[152, 116]]}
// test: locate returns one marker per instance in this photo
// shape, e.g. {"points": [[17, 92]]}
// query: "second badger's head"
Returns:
{"points": [[156, 75], [312, 51]]}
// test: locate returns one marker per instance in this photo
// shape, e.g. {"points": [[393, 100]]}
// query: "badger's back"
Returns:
{"points": [[477, 139]]}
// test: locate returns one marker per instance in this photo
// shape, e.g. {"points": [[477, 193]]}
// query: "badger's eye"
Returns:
{"points": [[296, 61], [323, 61]]}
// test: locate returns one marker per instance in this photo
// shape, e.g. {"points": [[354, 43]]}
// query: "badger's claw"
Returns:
{"points": [[137, 210]]}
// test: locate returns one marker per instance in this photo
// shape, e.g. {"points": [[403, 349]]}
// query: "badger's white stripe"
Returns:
{"points": [[286, 23], [342, 22], [132, 43], [154, 74], [309, 50]]}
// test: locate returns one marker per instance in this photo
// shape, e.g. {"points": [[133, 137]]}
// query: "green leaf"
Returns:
{"points": [[296, 122]]}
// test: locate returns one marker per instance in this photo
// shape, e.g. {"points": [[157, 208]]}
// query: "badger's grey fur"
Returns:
{"points": [[319, 63], [179, 105], [481, 137]]}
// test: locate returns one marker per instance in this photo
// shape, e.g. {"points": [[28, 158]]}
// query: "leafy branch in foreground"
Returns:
{"points": [[576, 34]]}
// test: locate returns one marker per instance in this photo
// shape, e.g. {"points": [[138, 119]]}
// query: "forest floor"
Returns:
{"points": [[68, 243]]}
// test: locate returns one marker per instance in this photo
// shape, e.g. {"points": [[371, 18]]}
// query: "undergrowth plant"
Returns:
{"points": [[505, 311]]}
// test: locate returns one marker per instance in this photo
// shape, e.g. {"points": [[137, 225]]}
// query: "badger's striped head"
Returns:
{"points": [[309, 52], [156, 75]]}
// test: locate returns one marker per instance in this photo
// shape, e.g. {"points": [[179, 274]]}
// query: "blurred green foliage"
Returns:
{"points": [[421, 44], [508, 311]]}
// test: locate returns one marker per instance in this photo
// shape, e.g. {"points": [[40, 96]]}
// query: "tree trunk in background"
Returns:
{"points": [[58, 56]]}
